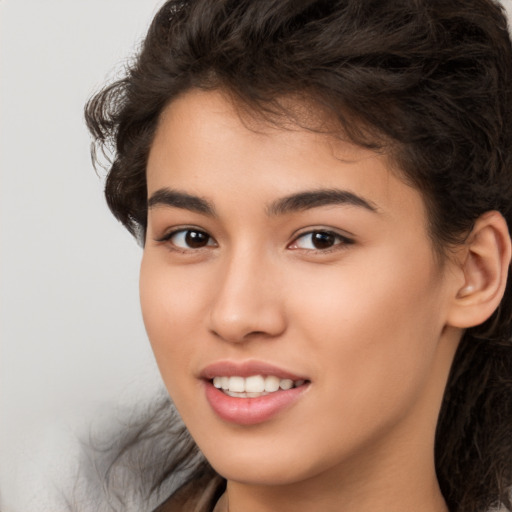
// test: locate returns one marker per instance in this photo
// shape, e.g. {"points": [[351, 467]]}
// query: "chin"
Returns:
{"points": [[270, 465], [254, 473]]}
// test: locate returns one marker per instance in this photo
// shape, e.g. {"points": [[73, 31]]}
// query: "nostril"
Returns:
{"points": [[237, 335], [239, 314]]}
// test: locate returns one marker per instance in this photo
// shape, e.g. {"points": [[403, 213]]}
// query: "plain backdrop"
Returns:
{"points": [[73, 345]]}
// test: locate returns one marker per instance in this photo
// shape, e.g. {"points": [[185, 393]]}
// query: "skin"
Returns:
{"points": [[366, 320]]}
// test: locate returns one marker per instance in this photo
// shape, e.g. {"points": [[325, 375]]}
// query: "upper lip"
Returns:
{"points": [[246, 369]]}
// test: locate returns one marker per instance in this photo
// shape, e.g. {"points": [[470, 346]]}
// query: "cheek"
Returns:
{"points": [[172, 311], [376, 326]]}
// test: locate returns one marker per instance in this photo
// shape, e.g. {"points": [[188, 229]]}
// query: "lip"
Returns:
{"points": [[246, 369], [250, 411]]}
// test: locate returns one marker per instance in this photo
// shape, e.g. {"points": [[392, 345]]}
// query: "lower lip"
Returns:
{"points": [[250, 411]]}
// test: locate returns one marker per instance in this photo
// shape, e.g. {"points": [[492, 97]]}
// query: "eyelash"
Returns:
{"points": [[186, 230], [340, 241]]}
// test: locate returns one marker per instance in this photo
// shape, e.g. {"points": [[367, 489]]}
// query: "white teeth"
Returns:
{"points": [[254, 395], [286, 384], [271, 383], [237, 384], [253, 386]]}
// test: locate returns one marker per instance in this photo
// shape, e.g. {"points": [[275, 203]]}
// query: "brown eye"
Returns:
{"points": [[320, 241], [196, 239], [323, 240], [191, 239]]}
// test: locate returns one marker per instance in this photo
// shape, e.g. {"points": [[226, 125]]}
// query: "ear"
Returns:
{"points": [[485, 261]]}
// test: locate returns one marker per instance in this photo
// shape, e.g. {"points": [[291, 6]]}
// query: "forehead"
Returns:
{"points": [[205, 145]]}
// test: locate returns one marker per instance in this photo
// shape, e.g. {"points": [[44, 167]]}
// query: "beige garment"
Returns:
{"points": [[200, 495]]}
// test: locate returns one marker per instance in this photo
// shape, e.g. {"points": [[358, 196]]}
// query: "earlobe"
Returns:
{"points": [[485, 263]]}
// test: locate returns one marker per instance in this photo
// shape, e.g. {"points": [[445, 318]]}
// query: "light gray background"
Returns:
{"points": [[72, 341], [73, 345]]}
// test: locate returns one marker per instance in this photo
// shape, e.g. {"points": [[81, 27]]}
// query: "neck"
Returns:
{"points": [[399, 487]]}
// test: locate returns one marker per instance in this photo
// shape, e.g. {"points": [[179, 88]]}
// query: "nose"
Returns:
{"points": [[247, 302]]}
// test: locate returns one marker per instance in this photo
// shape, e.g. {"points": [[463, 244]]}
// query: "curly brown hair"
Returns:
{"points": [[429, 81]]}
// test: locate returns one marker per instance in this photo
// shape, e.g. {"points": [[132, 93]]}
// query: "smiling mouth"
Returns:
{"points": [[253, 386]]}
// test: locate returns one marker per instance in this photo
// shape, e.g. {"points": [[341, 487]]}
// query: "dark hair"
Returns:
{"points": [[428, 81]]}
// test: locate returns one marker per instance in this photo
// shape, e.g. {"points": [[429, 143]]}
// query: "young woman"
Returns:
{"points": [[323, 190]]}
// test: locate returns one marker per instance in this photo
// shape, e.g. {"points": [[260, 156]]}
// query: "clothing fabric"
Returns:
{"points": [[206, 494]]}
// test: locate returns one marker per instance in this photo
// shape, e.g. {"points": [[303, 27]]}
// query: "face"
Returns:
{"points": [[291, 295]]}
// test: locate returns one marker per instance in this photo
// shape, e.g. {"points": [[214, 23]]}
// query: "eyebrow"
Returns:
{"points": [[178, 199], [316, 198], [299, 201]]}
